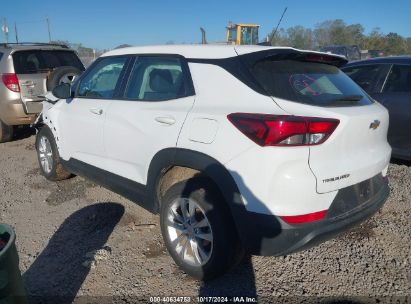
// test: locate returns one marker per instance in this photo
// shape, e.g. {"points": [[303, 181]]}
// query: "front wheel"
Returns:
{"points": [[197, 228], [48, 156]]}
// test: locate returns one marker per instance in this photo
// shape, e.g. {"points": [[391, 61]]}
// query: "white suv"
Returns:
{"points": [[240, 149]]}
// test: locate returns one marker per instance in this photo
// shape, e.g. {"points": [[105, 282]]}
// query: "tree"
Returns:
{"points": [[322, 33], [395, 44], [375, 40], [355, 34], [337, 32], [84, 51], [300, 37], [408, 46], [332, 32]]}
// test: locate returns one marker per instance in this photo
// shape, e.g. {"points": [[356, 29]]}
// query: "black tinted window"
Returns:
{"points": [[35, 61], [1, 55], [365, 76], [308, 82], [399, 79], [155, 79], [101, 81]]}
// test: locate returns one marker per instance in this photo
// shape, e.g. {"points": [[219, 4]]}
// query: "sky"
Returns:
{"points": [[106, 24]]}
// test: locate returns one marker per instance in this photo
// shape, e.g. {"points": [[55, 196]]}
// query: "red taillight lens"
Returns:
{"points": [[305, 218], [273, 130], [11, 82]]}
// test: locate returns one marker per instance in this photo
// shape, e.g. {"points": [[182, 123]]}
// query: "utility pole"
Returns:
{"points": [[15, 30], [5, 30], [48, 27]]}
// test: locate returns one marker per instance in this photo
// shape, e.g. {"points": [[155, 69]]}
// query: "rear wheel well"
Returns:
{"points": [[175, 174], [171, 176], [173, 165]]}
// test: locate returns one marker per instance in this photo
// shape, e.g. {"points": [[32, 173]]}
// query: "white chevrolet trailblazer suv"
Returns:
{"points": [[240, 149]]}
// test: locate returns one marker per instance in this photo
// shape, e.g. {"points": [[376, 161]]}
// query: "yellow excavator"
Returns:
{"points": [[242, 34]]}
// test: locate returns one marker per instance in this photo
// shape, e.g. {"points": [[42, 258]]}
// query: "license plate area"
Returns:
{"points": [[364, 191], [353, 197]]}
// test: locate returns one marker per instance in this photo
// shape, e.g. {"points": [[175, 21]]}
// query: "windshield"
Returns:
{"points": [[308, 82], [249, 35], [37, 61]]}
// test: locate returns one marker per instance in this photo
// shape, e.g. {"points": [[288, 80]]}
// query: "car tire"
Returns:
{"points": [[64, 74], [6, 132], [209, 244], [48, 156]]}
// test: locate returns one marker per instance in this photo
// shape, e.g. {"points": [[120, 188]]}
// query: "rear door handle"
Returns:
{"points": [[167, 120], [96, 111]]}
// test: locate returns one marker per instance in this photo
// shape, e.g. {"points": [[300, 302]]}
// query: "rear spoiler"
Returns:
{"points": [[293, 54]]}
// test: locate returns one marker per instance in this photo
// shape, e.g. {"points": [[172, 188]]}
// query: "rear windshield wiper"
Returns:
{"points": [[345, 100], [348, 98]]}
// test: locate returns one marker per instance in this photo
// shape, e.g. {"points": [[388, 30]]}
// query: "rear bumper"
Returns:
{"points": [[269, 235], [13, 113]]}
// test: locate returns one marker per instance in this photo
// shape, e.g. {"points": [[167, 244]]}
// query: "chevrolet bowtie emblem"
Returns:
{"points": [[375, 124]]}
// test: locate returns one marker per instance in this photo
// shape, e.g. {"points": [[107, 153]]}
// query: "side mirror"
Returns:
{"points": [[62, 91]]}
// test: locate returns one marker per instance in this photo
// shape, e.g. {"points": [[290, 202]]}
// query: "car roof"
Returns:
{"points": [[34, 46], [201, 51], [382, 60], [188, 51]]}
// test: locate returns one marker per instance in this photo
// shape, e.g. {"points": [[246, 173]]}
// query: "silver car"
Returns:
{"points": [[27, 72]]}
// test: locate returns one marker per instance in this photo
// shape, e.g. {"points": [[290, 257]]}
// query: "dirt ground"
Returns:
{"points": [[82, 243]]}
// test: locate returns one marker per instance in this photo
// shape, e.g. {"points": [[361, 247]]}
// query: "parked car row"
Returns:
{"points": [[28, 71]]}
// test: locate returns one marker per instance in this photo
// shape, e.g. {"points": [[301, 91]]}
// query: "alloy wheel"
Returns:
{"points": [[189, 231], [45, 154]]}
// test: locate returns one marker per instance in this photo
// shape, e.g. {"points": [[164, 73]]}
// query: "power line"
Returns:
{"points": [[5, 28]]}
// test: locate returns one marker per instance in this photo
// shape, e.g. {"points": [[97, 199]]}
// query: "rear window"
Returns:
{"points": [[308, 82], [37, 61], [368, 77]]}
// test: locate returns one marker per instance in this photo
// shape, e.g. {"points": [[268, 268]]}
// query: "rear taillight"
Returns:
{"points": [[305, 218], [283, 130], [11, 82]]}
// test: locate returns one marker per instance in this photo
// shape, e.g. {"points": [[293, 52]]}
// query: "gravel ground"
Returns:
{"points": [[78, 239]]}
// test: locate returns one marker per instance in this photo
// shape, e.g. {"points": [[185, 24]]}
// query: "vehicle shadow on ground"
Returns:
{"points": [[401, 162], [237, 282], [57, 274], [23, 132]]}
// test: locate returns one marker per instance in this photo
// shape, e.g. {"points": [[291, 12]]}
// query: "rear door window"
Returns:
{"points": [[38, 61], [368, 77], [308, 82], [399, 79], [156, 79]]}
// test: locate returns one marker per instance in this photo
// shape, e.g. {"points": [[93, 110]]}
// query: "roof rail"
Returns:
{"points": [[33, 43]]}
